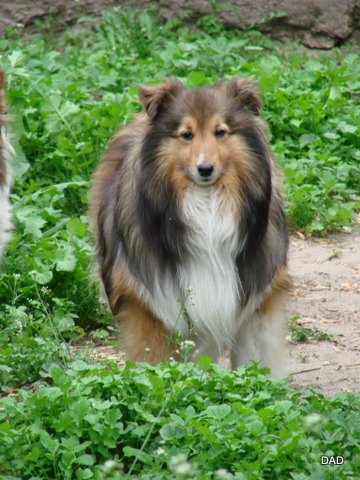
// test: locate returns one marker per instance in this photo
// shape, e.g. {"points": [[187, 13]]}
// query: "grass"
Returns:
{"points": [[65, 418], [301, 334], [176, 421]]}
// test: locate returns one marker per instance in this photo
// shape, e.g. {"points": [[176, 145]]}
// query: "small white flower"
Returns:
{"points": [[18, 326], [223, 474], [180, 466], [110, 466], [183, 469]]}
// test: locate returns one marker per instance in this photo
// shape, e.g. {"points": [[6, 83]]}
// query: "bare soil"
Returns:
{"points": [[326, 297]]}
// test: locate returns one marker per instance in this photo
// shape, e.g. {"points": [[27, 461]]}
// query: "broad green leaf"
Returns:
{"points": [[65, 259], [141, 456], [171, 432], [85, 459]]}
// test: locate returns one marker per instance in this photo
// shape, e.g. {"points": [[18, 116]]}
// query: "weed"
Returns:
{"points": [[301, 334], [175, 420]]}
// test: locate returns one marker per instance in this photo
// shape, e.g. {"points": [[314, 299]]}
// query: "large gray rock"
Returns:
{"points": [[319, 23]]}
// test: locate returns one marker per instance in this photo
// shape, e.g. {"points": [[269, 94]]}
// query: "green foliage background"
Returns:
{"points": [[67, 96]]}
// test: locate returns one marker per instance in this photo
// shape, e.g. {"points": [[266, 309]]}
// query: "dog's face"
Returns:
{"points": [[204, 136], [200, 149]]}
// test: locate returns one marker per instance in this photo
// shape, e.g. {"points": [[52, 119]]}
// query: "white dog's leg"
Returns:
{"points": [[262, 339]]}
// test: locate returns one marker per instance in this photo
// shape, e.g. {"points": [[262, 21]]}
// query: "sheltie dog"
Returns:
{"points": [[191, 234], [5, 175]]}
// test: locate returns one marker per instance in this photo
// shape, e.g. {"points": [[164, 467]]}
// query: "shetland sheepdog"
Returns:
{"points": [[191, 234], [5, 175]]}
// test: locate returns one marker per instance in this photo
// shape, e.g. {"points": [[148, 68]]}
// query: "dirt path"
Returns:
{"points": [[326, 296]]}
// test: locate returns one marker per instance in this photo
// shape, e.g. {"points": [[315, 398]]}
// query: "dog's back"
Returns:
{"points": [[5, 174]]}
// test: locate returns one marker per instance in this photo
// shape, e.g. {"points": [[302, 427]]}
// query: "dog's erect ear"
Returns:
{"points": [[245, 94], [154, 98]]}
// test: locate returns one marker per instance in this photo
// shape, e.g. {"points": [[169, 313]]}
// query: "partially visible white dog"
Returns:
{"points": [[5, 174]]}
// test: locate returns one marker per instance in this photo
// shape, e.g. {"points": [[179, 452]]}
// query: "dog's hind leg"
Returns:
{"points": [[262, 336], [262, 340]]}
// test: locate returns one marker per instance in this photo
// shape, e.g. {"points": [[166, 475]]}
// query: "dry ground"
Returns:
{"points": [[326, 296]]}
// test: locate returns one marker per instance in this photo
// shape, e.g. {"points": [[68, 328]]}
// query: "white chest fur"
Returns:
{"points": [[209, 275], [207, 283]]}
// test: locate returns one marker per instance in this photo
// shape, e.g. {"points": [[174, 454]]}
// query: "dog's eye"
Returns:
{"points": [[187, 136], [220, 133]]}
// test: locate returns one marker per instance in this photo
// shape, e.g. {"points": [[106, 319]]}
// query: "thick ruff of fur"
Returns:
{"points": [[5, 174], [191, 235]]}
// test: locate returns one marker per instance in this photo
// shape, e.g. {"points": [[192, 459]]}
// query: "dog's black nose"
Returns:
{"points": [[205, 169]]}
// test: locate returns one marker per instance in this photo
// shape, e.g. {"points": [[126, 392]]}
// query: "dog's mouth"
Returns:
{"points": [[204, 177], [205, 181]]}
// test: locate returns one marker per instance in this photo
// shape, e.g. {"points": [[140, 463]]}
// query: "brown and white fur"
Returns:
{"points": [[5, 173], [191, 234]]}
